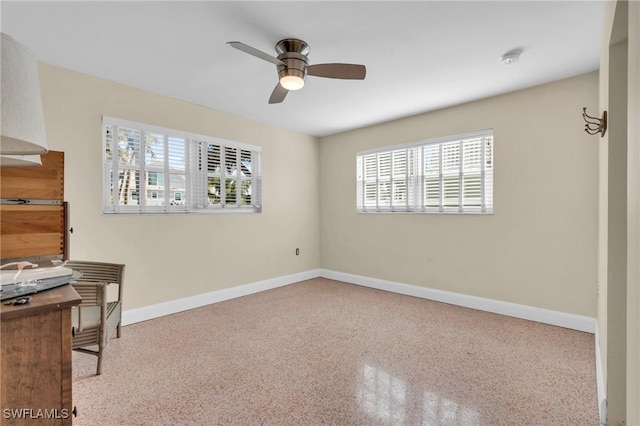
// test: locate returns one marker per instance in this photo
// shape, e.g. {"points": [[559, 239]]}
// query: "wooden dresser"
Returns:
{"points": [[36, 359]]}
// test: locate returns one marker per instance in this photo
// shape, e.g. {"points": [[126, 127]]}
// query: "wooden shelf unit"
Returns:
{"points": [[36, 338]]}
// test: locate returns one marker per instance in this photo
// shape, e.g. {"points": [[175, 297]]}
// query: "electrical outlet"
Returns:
{"points": [[297, 252]]}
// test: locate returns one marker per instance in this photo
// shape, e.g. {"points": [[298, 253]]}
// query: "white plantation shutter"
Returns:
{"points": [[370, 173], [152, 186], [213, 182], [231, 176], [148, 169], [487, 173], [400, 181], [432, 176], [384, 179], [472, 173], [122, 168], [197, 182], [449, 175], [414, 165], [128, 167], [108, 153], [227, 177], [246, 178], [176, 197]]}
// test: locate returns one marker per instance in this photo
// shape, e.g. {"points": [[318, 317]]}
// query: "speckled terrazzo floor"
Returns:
{"points": [[325, 352]]}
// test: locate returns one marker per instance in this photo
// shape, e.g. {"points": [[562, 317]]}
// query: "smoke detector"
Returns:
{"points": [[511, 56]]}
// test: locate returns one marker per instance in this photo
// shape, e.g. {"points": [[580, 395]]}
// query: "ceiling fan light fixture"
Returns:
{"points": [[292, 82], [293, 66]]}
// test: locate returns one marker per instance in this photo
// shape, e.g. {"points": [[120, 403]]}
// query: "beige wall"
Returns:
{"points": [[174, 256], [540, 246]]}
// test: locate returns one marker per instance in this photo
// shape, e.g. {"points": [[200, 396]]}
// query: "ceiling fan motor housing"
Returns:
{"points": [[293, 53]]}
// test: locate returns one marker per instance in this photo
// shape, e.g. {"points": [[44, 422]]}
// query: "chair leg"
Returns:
{"points": [[118, 332], [99, 369]]}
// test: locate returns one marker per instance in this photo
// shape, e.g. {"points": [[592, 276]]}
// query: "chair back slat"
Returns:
{"points": [[97, 272], [90, 294]]}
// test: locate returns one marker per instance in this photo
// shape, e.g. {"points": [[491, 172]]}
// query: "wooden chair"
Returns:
{"points": [[96, 317]]}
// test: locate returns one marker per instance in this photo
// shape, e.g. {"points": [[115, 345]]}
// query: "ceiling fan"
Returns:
{"points": [[293, 66]]}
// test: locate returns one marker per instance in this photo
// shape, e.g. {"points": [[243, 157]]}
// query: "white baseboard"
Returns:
{"points": [[546, 316], [132, 316]]}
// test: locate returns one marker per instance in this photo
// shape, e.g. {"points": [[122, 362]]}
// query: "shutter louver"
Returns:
{"points": [[472, 189], [488, 174], [451, 190], [432, 193], [472, 172], [214, 175], [128, 161], [371, 181], [198, 165], [246, 177], [153, 186], [451, 174], [177, 162], [108, 143], [231, 173], [384, 180], [399, 179], [108, 188], [414, 200]]}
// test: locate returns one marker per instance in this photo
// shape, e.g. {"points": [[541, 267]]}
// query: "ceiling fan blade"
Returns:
{"points": [[278, 94], [255, 52], [344, 71]]}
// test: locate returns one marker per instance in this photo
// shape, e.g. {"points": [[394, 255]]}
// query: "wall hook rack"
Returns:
{"points": [[595, 125]]}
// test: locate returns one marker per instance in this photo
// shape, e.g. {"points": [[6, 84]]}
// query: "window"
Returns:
{"points": [[449, 175], [197, 173], [152, 178]]}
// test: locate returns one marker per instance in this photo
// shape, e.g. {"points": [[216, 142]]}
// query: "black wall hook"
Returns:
{"points": [[595, 125]]}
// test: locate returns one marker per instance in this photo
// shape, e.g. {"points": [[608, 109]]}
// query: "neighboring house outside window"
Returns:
{"points": [[181, 172], [446, 175]]}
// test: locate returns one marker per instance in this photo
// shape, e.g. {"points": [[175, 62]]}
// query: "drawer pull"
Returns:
{"points": [[73, 332]]}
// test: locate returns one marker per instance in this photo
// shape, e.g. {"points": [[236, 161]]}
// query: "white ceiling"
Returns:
{"points": [[420, 55]]}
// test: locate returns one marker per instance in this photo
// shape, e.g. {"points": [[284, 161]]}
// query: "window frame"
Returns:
{"points": [[374, 171], [194, 197]]}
